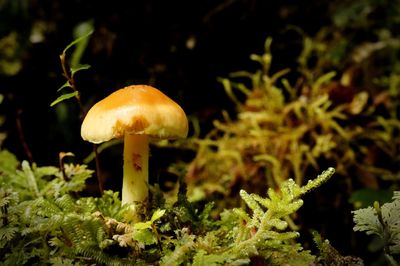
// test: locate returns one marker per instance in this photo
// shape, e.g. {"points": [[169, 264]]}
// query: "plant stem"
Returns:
{"points": [[22, 137], [71, 81], [98, 173]]}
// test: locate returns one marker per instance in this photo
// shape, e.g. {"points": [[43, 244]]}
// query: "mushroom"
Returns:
{"points": [[135, 113]]}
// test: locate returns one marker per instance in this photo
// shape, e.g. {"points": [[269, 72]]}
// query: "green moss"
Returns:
{"points": [[45, 221], [283, 130]]}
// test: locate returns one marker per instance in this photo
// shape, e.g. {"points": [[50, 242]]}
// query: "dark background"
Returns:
{"points": [[137, 42]]}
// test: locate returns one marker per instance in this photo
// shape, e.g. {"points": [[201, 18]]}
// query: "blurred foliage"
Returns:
{"points": [[286, 130], [10, 64], [365, 197], [2, 120], [360, 35]]}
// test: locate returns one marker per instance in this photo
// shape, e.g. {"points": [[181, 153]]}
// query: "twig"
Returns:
{"points": [[61, 156], [71, 81], [22, 137], [99, 176]]}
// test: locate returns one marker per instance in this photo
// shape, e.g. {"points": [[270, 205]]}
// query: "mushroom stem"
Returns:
{"points": [[136, 164]]}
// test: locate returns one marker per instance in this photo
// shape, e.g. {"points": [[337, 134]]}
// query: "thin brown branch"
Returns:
{"points": [[21, 135], [61, 156], [98, 173], [71, 81]]}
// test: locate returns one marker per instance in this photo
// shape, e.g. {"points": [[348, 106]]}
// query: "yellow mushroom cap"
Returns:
{"points": [[136, 109]]}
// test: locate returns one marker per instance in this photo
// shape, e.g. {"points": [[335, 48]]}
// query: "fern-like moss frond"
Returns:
{"points": [[383, 221]]}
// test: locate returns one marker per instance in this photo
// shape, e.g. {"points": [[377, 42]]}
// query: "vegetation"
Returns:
{"points": [[283, 130], [383, 222], [317, 98], [44, 220]]}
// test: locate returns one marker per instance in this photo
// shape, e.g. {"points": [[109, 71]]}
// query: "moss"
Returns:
{"points": [[283, 130], [49, 222]]}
